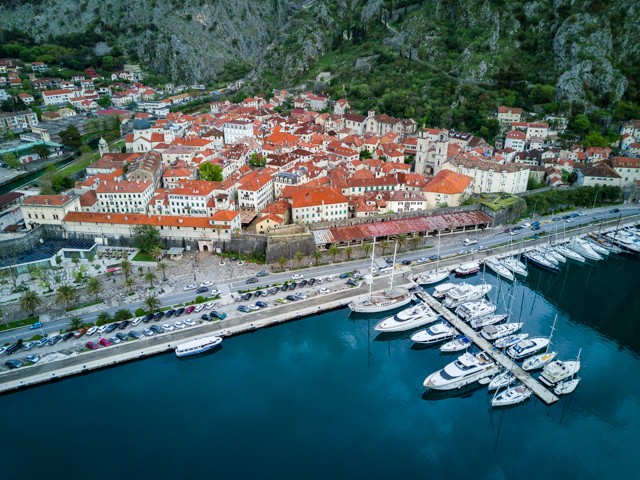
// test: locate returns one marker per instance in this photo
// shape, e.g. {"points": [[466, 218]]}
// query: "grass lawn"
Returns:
{"points": [[19, 323], [143, 257], [80, 164], [497, 202]]}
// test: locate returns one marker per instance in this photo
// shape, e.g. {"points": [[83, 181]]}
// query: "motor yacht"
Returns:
{"points": [[468, 268], [455, 345], [480, 322], [466, 369], [434, 334], [441, 290], [510, 340], [494, 332], [583, 247], [383, 301], [470, 310], [465, 293], [527, 347], [499, 269], [431, 277], [559, 370], [407, 319], [627, 241], [197, 346], [511, 396]]}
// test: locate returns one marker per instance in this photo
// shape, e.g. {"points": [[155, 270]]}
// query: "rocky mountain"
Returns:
{"points": [[586, 50]]}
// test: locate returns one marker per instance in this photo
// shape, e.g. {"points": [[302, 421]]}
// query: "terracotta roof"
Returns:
{"points": [[224, 215], [600, 169], [448, 182], [504, 109], [625, 162], [194, 188], [88, 199], [138, 219], [111, 186], [49, 200], [256, 179], [310, 197]]}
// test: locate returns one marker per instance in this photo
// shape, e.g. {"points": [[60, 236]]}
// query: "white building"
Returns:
{"points": [[516, 140], [237, 129], [255, 189], [596, 174], [507, 115], [57, 97], [318, 204], [406, 201], [48, 209], [490, 177], [192, 197], [124, 197], [628, 169]]}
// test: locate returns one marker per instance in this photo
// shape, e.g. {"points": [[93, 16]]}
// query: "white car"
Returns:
{"points": [[198, 308], [301, 296], [330, 278], [253, 307], [136, 322], [215, 292], [526, 225], [191, 286], [168, 328], [179, 325], [568, 220], [102, 329], [28, 345], [115, 340], [91, 331], [206, 284], [209, 305], [324, 291], [297, 276], [373, 269], [189, 322]]}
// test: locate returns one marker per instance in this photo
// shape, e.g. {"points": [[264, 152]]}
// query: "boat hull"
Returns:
{"points": [[188, 350]]}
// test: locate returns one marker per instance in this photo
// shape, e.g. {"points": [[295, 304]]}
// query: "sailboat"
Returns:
{"points": [[515, 266], [511, 396], [386, 300], [566, 386], [500, 269], [540, 360], [455, 345], [436, 275]]}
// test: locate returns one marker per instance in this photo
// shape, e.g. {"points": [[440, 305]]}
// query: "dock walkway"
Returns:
{"points": [[540, 391]]}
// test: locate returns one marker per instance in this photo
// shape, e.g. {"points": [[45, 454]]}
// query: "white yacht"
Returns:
{"points": [[197, 346], [599, 249], [569, 253], [541, 261], [527, 347], [555, 254], [412, 317], [465, 293], [559, 370], [480, 322], [546, 254], [499, 269], [468, 268], [538, 361], [511, 396], [466, 369], [502, 380], [494, 332], [510, 340], [566, 386], [441, 290], [515, 265], [470, 310], [627, 241], [432, 277], [434, 334], [455, 345], [583, 247]]}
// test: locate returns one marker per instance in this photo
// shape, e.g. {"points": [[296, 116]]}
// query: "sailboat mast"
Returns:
{"points": [[553, 327], [393, 271], [373, 252]]}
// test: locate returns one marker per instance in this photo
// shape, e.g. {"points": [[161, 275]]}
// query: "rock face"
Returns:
{"points": [[584, 47]]}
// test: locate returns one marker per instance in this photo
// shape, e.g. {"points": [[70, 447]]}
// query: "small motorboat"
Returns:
{"points": [[455, 345], [566, 386], [505, 342], [494, 332], [527, 347], [511, 396], [434, 334], [468, 268], [479, 322]]}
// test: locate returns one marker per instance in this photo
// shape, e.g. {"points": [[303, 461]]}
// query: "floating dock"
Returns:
{"points": [[507, 362]]}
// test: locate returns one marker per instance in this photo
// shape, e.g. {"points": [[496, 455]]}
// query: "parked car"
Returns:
{"points": [[11, 364], [115, 340], [111, 327], [43, 341], [202, 290], [292, 298], [247, 296], [205, 316], [155, 328], [92, 345], [215, 292], [253, 308], [28, 345], [243, 309], [193, 308], [148, 332], [297, 276], [180, 311], [239, 298], [179, 325], [171, 312], [615, 210], [251, 280], [282, 301], [404, 262], [32, 358], [55, 339], [209, 305], [324, 291], [293, 285], [91, 331], [262, 304], [218, 315], [301, 296], [105, 342], [14, 347], [135, 334], [122, 336], [189, 322], [136, 322], [274, 290], [158, 316], [265, 292], [102, 329], [257, 293], [124, 324], [148, 318], [191, 286], [352, 282], [81, 332], [311, 282], [262, 273], [303, 283], [330, 278], [285, 287], [206, 284]]}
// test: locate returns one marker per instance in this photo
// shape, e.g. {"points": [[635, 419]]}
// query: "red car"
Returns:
{"points": [[92, 345], [190, 309], [105, 342]]}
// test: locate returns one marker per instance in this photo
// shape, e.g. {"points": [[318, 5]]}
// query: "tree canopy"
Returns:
{"points": [[146, 237], [211, 172]]}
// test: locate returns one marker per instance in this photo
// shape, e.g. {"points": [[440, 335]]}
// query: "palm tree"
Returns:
{"points": [[282, 261], [152, 303], [126, 267], [76, 323], [129, 283], [150, 277], [384, 245], [348, 251], [334, 251], [94, 287], [156, 253], [317, 255], [299, 256], [163, 266], [416, 242], [401, 240], [65, 294], [366, 249], [103, 318], [30, 301]]}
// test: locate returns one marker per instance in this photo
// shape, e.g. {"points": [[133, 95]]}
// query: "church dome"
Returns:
{"points": [[141, 124]]}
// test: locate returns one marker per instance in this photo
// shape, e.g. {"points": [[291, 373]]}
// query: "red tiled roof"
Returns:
{"points": [[48, 200], [138, 219]]}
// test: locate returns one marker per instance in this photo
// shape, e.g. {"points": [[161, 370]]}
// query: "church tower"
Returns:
{"points": [[103, 147]]}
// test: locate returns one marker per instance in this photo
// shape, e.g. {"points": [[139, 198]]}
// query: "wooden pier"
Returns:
{"points": [[507, 362]]}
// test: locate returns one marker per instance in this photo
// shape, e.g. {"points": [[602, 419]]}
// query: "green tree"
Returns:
{"points": [[42, 150], [298, 256], [156, 253], [94, 287], [163, 267], [129, 283], [76, 323], [282, 261], [384, 245], [366, 249], [152, 303], [348, 251], [109, 63], [334, 251], [150, 277], [317, 255], [70, 137], [126, 266], [580, 124], [65, 294], [122, 314], [11, 160], [103, 318], [211, 172], [257, 160], [30, 301], [401, 240], [146, 237], [104, 101]]}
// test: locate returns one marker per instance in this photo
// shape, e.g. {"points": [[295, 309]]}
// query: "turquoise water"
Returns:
{"points": [[324, 398]]}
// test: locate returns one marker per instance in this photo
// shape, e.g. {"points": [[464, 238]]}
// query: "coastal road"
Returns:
{"points": [[450, 246]]}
